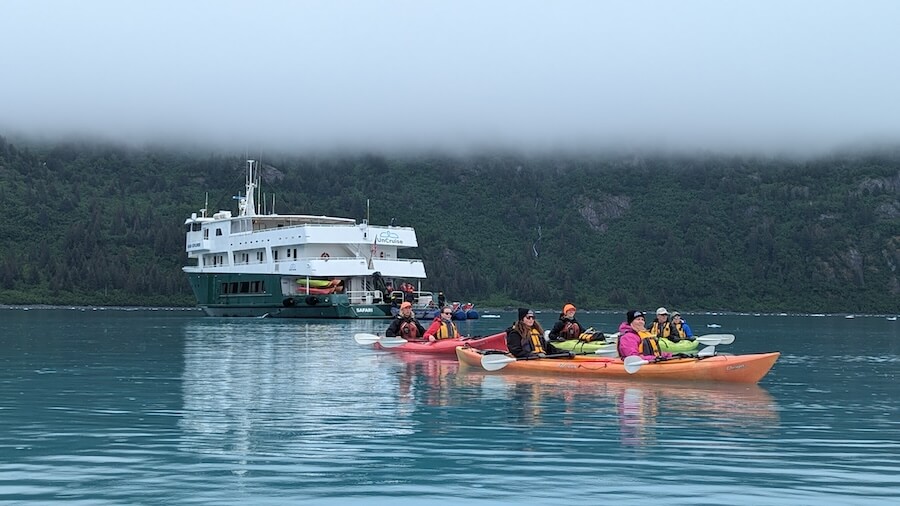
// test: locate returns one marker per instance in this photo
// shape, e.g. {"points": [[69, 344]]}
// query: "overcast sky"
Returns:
{"points": [[395, 75]]}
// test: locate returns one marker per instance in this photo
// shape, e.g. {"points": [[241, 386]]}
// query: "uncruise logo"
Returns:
{"points": [[388, 237]]}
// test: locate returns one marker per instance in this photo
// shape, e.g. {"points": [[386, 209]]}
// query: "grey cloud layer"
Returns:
{"points": [[455, 75]]}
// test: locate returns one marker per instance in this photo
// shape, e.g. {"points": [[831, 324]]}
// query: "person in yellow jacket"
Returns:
{"points": [[661, 327], [442, 327], [525, 339]]}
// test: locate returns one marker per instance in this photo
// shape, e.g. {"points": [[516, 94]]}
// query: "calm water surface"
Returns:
{"points": [[170, 407]]}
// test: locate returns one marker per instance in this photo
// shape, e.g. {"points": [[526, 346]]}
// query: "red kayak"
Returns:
{"points": [[448, 346]]}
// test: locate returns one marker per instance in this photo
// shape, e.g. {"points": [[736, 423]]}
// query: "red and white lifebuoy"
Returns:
{"points": [[325, 256]]}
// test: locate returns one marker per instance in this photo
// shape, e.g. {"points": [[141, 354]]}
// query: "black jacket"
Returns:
{"points": [[554, 332], [523, 347], [396, 329]]}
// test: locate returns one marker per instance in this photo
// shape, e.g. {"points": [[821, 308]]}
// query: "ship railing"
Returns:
{"points": [[421, 299], [330, 258], [365, 296]]}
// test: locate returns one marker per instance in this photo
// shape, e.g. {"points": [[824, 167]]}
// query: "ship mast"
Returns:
{"points": [[246, 205]]}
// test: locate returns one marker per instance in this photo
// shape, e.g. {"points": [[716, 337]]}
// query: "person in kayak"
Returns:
{"points": [[405, 324], [660, 326], [632, 344], [567, 327], [526, 338], [680, 329], [442, 327]]}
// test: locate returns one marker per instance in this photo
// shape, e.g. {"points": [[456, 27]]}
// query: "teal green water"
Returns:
{"points": [[170, 407]]}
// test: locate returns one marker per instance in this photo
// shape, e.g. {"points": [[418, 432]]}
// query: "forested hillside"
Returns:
{"points": [[101, 224]]}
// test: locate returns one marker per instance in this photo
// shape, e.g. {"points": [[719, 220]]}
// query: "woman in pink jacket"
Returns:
{"points": [[631, 343]]}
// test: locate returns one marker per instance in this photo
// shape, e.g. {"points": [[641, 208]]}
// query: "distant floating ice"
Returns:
{"points": [[849, 317], [713, 325]]}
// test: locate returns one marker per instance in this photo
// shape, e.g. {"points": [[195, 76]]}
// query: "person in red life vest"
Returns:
{"points": [[442, 327], [567, 327], [526, 338], [631, 343], [408, 292], [405, 324]]}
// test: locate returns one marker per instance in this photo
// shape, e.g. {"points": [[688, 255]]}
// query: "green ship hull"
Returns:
{"points": [[259, 295]]}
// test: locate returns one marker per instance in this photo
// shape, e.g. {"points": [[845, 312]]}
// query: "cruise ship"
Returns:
{"points": [[299, 266]]}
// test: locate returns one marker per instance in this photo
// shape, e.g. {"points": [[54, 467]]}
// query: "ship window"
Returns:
{"points": [[245, 287], [195, 227], [275, 254], [233, 288], [206, 233], [218, 231]]}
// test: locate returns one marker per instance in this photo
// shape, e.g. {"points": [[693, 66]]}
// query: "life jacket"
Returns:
{"points": [[649, 346], [665, 331], [408, 330], [570, 330], [447, 330], [678, 329], [536, 341]]}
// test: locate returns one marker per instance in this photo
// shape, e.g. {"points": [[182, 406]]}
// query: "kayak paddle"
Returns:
{"points": [[385, 342]]}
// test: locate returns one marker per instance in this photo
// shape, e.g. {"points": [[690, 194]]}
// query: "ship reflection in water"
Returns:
{"points": [[254, 387]]}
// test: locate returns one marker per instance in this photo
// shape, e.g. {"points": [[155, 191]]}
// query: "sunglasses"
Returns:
{"points": [[529, 317], [446, 313]]}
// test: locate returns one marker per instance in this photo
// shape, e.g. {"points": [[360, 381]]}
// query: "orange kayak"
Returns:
{"points": [[718, 368], [448, 346]]}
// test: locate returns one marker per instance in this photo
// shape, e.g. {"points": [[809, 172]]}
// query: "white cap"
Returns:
{"points": [[662, 310]]}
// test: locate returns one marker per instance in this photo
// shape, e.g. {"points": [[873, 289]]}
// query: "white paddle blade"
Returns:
{"points": [[365, 339], [716, 339], [633, 364], [391, 342], [709, 351], [496, 362], [607, 350]]}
